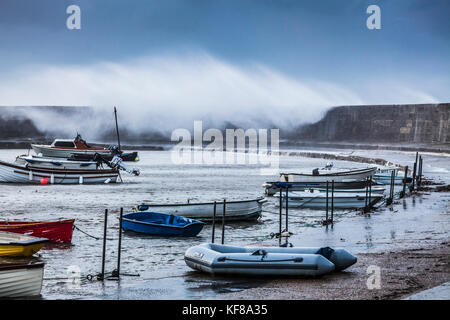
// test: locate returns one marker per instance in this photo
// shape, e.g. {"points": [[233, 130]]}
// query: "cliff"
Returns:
{"points": [[416, 123]]}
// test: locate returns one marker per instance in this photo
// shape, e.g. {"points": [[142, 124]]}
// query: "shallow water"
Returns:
{"points": [[159, 261]]}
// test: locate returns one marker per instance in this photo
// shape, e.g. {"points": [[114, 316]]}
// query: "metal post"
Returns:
{"points": [[214, 223], [419, 178], [367, 191], [414, 176], [332, 200], [287, 216], [120, 243], [281, 212], [102, 275], [404, 181], [223, 221], [326, 207], [287, 203], [117, 127], [392, 184]]}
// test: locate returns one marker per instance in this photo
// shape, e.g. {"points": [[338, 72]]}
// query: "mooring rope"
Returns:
{"points": [[96, 238]]}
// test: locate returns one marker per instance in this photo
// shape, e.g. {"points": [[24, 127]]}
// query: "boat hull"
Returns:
{"points": [[344, 176], [234, 210], [272, 261], [130, 222], [12, 250], [272, 188], [52, 163], [13, 173], [53, 152], [21, 280], [55, 231], [340, 201]]}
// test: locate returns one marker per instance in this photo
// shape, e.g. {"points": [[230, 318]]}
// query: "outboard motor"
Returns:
{"points": [[315, 172], [117, 163]]}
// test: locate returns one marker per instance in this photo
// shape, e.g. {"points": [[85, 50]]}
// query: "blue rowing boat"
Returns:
{"points": [[161, 224]]}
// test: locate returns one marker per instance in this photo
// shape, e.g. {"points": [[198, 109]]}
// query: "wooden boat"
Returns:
{"points": [[318, 200], [16, 173], [21, 279], [204, 211], [374, 189], [19, 245], [54, 231], [56, 163], [329, 175], [383, 176], [64, 148], [272, 188], [263, 261], [160, 224]]}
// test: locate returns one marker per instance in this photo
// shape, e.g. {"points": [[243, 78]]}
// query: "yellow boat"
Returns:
{"points": [[19, 245]]}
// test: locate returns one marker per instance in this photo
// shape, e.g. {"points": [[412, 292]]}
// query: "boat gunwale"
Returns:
{"points": [[344, 173], [259, 200], [6, 224], [17, 266], [62, 171], [44, 146], [253, 265]]}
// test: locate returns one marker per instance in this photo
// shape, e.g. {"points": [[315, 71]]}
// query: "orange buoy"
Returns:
{"points": [[44, 181]]}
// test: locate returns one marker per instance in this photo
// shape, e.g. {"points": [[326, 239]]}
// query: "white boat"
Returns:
{"points": [[234, 210], [65, 148], [329, 175], [21, 279], [383, 176], [262, 261], [16, 173], [271, 188], [318, 200], [56, 163], [374, 189]]}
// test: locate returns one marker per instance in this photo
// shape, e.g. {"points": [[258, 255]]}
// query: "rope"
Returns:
{"points": [[91, 277], [96, 238]]}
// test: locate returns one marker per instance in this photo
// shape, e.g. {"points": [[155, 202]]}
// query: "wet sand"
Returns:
{"points": [[403, 273]]}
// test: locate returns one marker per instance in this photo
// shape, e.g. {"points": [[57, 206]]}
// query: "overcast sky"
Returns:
{"points": [[308, 53]]}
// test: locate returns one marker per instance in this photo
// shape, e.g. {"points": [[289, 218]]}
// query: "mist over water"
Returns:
{"points": [[162, 93]]}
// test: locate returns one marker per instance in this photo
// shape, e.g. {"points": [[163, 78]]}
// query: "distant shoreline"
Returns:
{"points": [[441, 148]]}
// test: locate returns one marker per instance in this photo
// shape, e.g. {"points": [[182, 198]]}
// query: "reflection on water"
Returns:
{"points": [[159, 261]]}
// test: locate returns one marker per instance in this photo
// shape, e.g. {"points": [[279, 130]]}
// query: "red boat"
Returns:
{"points": [[55, 231]]}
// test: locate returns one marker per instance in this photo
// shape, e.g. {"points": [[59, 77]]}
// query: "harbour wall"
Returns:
{"points": [[409, 123]]}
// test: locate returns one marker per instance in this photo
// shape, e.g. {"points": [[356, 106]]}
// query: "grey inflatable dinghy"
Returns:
{"points": [[223, 259]]}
